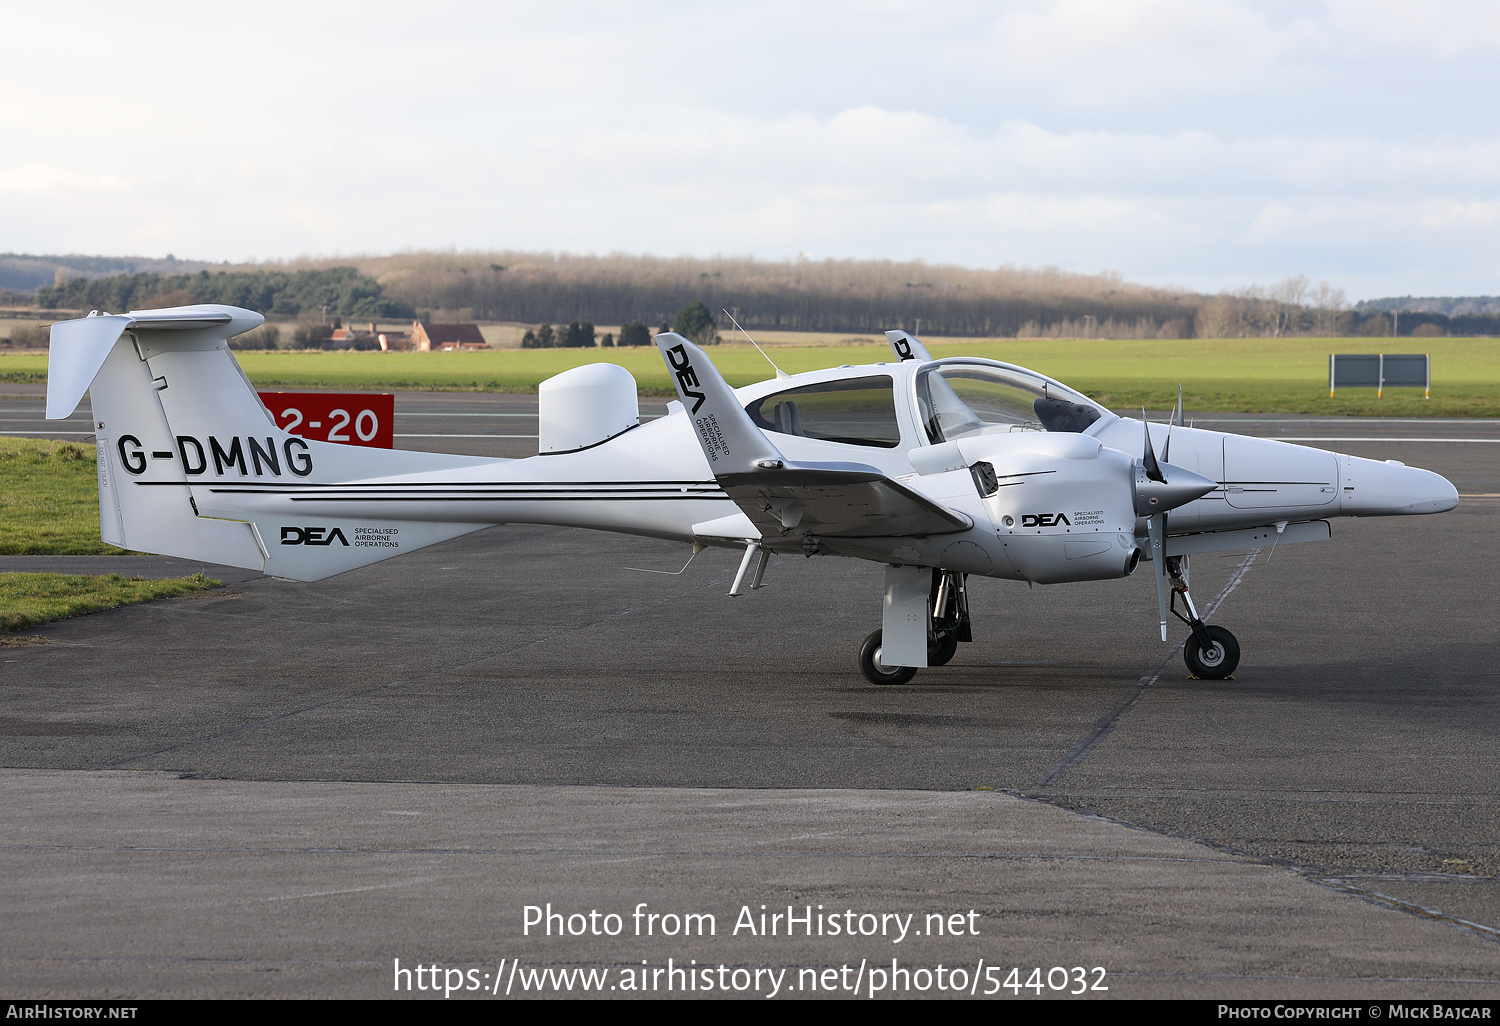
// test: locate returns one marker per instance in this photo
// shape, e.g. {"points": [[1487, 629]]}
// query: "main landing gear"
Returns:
{"points": [[877, 672], [948, 610], [1212, 653]]}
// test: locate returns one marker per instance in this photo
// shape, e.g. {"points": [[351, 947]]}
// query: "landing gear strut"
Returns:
{"points": [[948, 612], [950, 616], [1212, 653]]}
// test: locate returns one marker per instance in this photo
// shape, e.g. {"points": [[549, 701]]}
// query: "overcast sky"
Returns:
{"points": [[1204, 143]]}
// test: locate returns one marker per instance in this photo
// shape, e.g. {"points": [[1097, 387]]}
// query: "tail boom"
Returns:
{"points": [[192, 464]]}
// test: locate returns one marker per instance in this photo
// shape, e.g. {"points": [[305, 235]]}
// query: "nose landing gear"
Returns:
{"points": [[1212, 653], [1213, 661]]}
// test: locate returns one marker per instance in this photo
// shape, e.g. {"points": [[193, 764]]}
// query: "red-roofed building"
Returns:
{"points": [[446, 338]]}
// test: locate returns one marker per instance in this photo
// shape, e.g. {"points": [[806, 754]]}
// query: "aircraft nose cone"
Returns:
{"points": [[1373, 489], [1181, 487]]}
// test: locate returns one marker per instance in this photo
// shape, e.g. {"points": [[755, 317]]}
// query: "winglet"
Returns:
{"points": [[907, 347], [78, 348], [730, 439]]}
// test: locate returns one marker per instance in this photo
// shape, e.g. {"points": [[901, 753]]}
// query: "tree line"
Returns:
{"points": [[1297, 307], [565, 295], [694, 320], [333, 291], [832, 295]]}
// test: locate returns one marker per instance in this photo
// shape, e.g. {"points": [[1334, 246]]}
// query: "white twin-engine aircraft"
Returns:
{"points": [[936, 469]]}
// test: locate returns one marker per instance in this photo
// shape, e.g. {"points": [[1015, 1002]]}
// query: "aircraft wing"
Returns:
{"points": [[829, 500], [835, 502]]}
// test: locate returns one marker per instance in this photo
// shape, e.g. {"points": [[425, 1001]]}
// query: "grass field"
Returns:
{"points": [[49, 505], [1288, 375], [29, 599], [49, 499]]}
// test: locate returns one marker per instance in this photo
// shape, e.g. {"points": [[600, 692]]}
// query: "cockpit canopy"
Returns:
{"points": [[956, 398], [960, 397]]}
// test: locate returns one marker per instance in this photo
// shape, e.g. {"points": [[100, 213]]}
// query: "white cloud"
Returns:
{"points": [[1438, 28], [1193, 141], [33, 180]]}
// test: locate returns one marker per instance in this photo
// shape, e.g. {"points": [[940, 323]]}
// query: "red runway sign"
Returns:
{"points": [[352, 418]]}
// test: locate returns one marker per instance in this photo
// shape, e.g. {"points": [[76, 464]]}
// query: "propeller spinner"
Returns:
{"points": [[1156, 492]]}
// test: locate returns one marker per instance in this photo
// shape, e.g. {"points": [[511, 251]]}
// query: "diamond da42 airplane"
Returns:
{"points": [[936, 469]]}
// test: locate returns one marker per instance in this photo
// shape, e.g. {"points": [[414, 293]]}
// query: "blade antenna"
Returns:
{"points": [[1166, 447], [1176, 418], [779, 372], [697, 548]]}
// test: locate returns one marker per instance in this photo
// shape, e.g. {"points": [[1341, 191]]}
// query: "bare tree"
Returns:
{"points": [[1217, 318], [1329, 310], [1285, 302]]}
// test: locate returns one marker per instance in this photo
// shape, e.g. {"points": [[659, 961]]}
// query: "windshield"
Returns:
{"points": [[959, 398]]}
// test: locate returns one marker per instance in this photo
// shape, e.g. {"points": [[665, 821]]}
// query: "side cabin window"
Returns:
{"points": [[961, 399], [856, 411]]}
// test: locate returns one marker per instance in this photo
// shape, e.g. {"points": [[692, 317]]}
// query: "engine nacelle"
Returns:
{"points": [[1062, 506]]}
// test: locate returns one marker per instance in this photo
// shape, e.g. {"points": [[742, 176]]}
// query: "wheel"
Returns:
{"points": [[1218, 661], [874, 671], [943, 648]]}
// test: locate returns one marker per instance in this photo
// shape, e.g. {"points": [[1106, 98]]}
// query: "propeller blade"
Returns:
{"points": [[1156, 531], [1180, 411], [1153, 468], [1175, 418]]}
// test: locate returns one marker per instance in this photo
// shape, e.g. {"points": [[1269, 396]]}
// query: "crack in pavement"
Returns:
{"points": [[1107, 723]]}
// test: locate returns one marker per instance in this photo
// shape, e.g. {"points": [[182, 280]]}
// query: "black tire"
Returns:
{"points": [[874, 671], [1219, 661], [942, 648]]}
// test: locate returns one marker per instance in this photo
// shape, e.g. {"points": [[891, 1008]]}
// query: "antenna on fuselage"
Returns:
{"points": [[779, 372], [697, 548]]}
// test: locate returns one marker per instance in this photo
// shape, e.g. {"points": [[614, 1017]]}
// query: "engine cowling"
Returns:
{"points": [[1062, 506]]}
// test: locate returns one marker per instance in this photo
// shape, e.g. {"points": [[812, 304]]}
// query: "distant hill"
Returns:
{"points": [[852, 296], [856, 296], [1449, 306], [842, 296], [26, 272]]}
